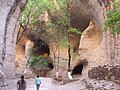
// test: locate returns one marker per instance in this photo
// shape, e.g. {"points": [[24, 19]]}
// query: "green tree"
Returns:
{"points": [[113, 20], [59, 13], [62, 21], [40, 62], [30, 17]]}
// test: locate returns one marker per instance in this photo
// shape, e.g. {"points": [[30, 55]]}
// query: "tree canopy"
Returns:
{"points": [[113, 21], [58, 21]]}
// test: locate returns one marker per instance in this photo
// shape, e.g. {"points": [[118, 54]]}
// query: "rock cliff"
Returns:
{"points": [[95, 46], [10, 11]]}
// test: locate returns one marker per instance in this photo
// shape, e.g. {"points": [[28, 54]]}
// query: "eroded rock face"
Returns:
{"points": [[2, 76], [88, 16], [83, 12], [23, 54], [25, 49], [101, 47], [112, 46], [9, 17], [91, 37]]}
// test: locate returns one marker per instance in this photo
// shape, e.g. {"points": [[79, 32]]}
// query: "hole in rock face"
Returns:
{"points": [[78, 69], [41, 47]]}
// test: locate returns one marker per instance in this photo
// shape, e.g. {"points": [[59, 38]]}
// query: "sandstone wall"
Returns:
{"points": [[9, 17], [112, 46], [105, 46], [91, 41], [23, 53], [93, 45], [96, 51]]}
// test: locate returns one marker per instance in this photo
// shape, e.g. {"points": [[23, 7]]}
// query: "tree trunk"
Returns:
{"points": [[69, 58]]}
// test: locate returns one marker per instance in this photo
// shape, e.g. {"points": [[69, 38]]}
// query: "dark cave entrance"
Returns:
{"points": [[42, 48], [77, 70]]}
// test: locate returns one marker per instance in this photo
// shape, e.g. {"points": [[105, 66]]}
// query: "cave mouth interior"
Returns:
{"points": [[77, 69], [42, 48]]}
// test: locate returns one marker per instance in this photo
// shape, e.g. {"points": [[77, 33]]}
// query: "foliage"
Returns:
{"points": [[40, 61], [59, 22], [59, 14], [62, 22], [35, 8], [74, 30], [113, 21]]}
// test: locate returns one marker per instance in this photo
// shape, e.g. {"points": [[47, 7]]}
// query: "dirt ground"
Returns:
{"points": [[47, 84], [51, 84]]}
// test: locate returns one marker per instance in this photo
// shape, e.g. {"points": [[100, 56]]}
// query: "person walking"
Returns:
{"points": [[21, 84], [37, 82]]}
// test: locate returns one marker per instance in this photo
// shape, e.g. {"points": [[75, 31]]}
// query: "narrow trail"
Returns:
{"points": [[51, 84], [47, 84]]}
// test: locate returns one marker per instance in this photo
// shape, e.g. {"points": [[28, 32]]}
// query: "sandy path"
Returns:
{"points": [[47, 84], [50, 84]]}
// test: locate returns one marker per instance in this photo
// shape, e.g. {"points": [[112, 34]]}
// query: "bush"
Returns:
{"points": [[113, 21], [39, 62]]}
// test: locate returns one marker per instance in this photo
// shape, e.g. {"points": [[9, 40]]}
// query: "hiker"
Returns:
{"points": [[37, 82], [21, 84]]}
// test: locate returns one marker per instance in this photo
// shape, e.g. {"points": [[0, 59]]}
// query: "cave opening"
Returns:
{"points": [[77, 69], [42, 48]]}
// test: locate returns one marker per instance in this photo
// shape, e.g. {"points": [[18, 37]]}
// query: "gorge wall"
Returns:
{"points": [[95, 46], [90, 43], [9, 18]]}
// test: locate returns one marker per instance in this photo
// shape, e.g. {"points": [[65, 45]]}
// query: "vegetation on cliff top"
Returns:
{"points": [[113, 21]]}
